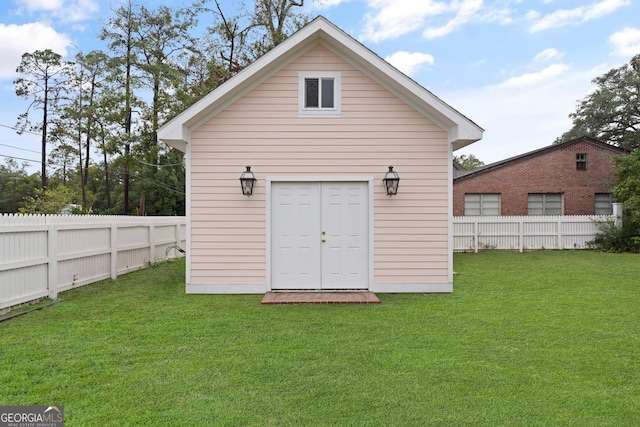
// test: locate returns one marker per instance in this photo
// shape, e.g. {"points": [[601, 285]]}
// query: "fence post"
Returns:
{"points": [[521, 235], [114, 251], [560, 245], [617, 213], [475, 236], [52, 257], [176, 232], [152, 244]]}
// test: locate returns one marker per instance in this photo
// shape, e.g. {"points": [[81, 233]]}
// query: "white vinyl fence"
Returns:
{"points": [[41, 255], [522, 233]]}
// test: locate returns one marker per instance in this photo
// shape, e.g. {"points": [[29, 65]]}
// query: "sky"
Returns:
{"points": [[517, 68]]}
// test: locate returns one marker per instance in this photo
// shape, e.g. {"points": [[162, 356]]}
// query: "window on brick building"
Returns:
{"points": [[581, 161], [604, 204], [481, 204], [545, 204]]}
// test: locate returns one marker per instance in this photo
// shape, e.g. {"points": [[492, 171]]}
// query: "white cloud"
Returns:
{"points": [[324, 4], [521, 118], [389, 21], [64, 10], [18, 39], [409, 62], [501, 15], [532, 15], [38, 5], [626, 42], [548, 55], [530, 79], [79, 10], [465, 13], [603, 8], [564, 17]]}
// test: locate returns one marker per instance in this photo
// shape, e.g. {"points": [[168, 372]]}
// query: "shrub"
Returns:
{"points": [[611, 238]]}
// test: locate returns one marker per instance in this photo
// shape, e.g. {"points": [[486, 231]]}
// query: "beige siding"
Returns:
{"points": [[262, 129]]}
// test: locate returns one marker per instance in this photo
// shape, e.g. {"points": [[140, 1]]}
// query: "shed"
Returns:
{"points": [[319, 119]]}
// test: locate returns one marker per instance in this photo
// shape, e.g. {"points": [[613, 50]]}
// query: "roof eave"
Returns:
{"points": [[461, 136]]}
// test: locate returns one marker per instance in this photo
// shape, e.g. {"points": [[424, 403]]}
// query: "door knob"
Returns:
{"points": [[324, 240]]}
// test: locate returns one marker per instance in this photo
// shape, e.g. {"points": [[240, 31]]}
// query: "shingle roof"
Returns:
{"points": [[535, 153]]}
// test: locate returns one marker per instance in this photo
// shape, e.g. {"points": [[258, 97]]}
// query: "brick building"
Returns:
{"points": [[571, 178]]}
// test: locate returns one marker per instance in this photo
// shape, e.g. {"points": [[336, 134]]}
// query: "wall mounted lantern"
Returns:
{"points": [[247, 181], [391, 180]]}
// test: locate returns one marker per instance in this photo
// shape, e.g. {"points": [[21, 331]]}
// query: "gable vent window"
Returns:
{"points": [[581, 161], [319, 94]]}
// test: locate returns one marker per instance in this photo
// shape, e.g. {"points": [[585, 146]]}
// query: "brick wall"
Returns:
{"points": [[550, 170]]}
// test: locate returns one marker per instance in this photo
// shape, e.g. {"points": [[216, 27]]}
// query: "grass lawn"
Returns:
{"points": [[535, 339]]}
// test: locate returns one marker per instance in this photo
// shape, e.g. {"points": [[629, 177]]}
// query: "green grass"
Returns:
{"points": [[534, 339]]}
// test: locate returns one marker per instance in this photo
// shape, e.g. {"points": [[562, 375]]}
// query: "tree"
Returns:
{"points": [[93, 72], [611, 113], [43, 79], [161, 35], [51, 202], [15, 186], [150, 43], [279, 19], [469, 162], [237, 40], [119, 31], [61, 158], [226, 44], [108, 132], [82, 124], [626, 237], [627, 190]]}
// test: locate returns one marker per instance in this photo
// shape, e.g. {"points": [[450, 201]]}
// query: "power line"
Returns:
{"points": [[111, 171], [141, 178], [18, 130], [18, 148], [20, 158], [159, 165], [163, 186]]}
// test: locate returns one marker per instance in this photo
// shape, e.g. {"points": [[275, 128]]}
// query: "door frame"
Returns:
{"points": [[313, 178]]}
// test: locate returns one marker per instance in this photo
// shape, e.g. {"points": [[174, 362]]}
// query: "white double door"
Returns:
{"points": [[319, 235]]}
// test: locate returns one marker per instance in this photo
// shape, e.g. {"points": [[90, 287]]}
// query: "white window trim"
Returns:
{"points": [[610, 200], [545, 203], [336, 111], [483, 202]]}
